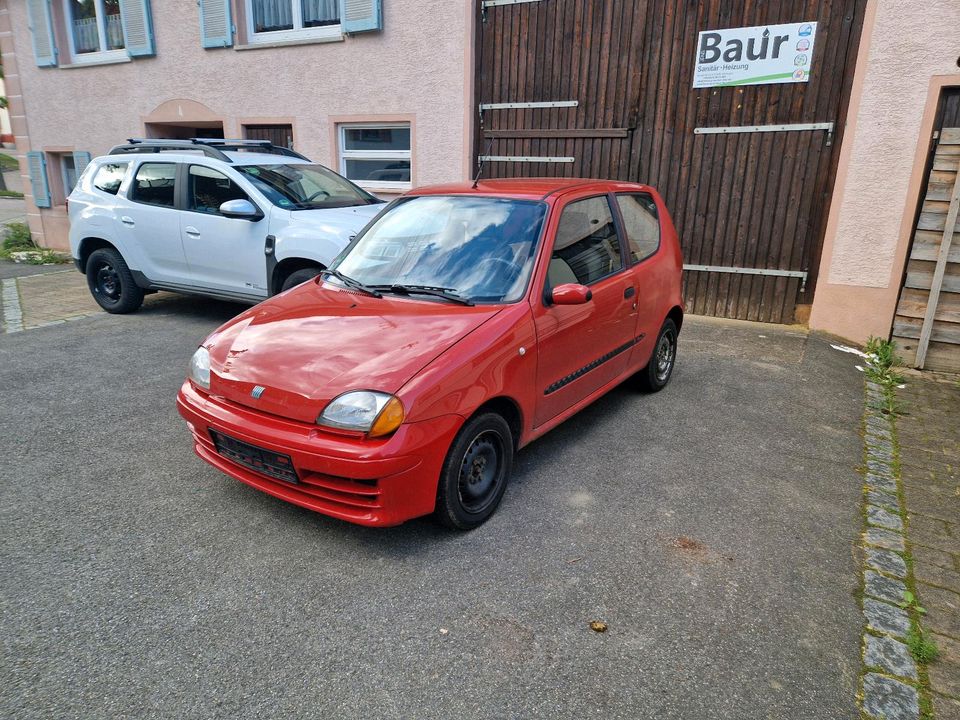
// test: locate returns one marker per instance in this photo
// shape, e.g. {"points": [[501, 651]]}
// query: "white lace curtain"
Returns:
{"points": [[278, 14]]}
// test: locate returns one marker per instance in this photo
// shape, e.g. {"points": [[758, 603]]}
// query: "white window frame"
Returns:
{"points": [[299, 32], [103, 55], [374, 154]]}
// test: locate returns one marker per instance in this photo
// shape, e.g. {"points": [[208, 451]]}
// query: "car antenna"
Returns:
{"points": [[476, 180]]}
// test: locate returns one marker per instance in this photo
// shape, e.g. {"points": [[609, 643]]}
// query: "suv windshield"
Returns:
{"points": [[480, 249], [299, 186]]}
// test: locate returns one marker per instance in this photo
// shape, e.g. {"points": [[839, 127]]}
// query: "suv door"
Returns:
{"points": [[224, 253], [581, 348], [150, 223]]}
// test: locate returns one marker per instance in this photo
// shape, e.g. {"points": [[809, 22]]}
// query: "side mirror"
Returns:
{"points": [[241, 210], [571, 294]]}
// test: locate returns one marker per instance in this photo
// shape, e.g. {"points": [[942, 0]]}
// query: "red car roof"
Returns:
{"points": [[526, 188]]}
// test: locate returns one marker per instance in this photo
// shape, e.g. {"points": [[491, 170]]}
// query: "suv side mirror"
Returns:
{"points": [[571, 294], [240, 209]]}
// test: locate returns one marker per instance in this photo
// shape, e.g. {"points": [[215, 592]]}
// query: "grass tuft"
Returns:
{"points": [[923, 649]]}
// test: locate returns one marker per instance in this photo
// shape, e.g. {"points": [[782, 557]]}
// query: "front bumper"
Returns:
{"points": [[370, 482]]}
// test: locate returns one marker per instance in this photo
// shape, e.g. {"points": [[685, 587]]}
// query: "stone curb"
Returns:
{"points": [[12, 313], [889, 686]]}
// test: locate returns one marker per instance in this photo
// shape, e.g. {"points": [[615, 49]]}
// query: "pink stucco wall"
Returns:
{"points": [[908, 52], [416, 67]]}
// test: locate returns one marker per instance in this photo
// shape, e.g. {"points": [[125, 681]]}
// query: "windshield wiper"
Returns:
{"points": [[433, 290], [353, 284]]}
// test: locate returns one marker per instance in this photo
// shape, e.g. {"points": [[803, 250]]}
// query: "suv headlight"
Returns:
{"points": [[200, 368], [374, 413]]}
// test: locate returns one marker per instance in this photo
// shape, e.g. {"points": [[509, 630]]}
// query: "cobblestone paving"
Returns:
{"points": [[928, 434], [891, 682]]}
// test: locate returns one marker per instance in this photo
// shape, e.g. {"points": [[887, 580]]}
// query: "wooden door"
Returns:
{"points": [[927, 324], [279, 135], [752, 203]]}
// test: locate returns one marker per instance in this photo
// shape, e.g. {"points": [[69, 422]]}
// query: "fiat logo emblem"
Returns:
{"points": [[257, 392]]}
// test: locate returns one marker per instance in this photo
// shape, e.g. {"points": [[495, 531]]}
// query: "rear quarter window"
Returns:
{"points": [[109, 177], [641, 223]]}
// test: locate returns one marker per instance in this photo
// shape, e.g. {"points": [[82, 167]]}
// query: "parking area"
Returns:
{"points": [[711, 526]]}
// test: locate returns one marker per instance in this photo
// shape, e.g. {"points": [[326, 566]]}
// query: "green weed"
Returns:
{"points": [[923, 649]]}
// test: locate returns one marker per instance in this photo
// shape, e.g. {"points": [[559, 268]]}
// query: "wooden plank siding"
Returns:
{"points": [[939, 349], [753, 200]]}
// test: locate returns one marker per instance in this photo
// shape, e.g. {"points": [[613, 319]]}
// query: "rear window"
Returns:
{"points": [[109, 177]]}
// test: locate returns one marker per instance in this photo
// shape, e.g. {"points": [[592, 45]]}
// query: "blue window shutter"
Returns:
{"points": [[81, 158], [216, 27], [361, 15], [41, 27], [137, 24], [37, 166]]}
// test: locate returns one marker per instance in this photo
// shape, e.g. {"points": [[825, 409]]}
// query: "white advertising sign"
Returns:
{"points": [[759, 55]]}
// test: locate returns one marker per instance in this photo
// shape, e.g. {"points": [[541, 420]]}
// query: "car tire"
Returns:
{"points": [[655, 376], [111, 282], [475, 472], [298, 277]]}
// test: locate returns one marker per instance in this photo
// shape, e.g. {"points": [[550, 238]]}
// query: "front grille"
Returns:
{"points": [[266, 462]]}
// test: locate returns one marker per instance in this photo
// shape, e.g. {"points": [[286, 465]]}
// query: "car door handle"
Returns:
{"points": [[191, 231], [127, 220], [629, 292]]}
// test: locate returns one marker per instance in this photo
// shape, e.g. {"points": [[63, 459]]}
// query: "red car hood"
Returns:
{"points": [[315, 342]]}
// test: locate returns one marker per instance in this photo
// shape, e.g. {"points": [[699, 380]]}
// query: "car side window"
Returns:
{"points": [[208, 189], [586, 247], [109, 177], [154, 184], [642, 225]]}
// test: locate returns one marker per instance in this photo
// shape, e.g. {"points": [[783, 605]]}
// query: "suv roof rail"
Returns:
{"points": [[211, 147]]}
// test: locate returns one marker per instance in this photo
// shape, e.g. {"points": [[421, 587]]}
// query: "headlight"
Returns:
{"points": [[200, 368], [374, 413]]}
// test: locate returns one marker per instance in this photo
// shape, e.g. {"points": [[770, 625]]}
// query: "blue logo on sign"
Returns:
{"points": [[805, 30]]}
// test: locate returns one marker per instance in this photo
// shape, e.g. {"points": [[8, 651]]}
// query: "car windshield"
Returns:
{"points": [[480, 249], [299, 186]]}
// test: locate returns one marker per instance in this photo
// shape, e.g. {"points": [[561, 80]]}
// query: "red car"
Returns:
{"points": [[461, 324]]}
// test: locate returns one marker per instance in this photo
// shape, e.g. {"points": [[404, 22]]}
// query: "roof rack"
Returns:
{"points": [[211, 147]]}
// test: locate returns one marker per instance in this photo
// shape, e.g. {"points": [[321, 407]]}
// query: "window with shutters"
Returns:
{"points": [[62, 174], [99, 31], [280, 20]]}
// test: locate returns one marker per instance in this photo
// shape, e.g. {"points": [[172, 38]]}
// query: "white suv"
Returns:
{"points": [[229, 219]]}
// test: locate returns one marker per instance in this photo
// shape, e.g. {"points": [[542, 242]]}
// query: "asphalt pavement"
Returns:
{"points": [[711, 526]]}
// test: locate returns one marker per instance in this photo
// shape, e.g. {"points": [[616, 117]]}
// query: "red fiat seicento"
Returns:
{"points": [[461, 324]]}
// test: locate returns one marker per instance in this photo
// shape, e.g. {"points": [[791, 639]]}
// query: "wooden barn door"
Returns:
{"points": [[927, 324], [603, 88]]}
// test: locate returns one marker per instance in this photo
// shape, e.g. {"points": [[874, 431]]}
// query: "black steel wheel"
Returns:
{"points": [[111, 282], [655, 376], [475, 473]]}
